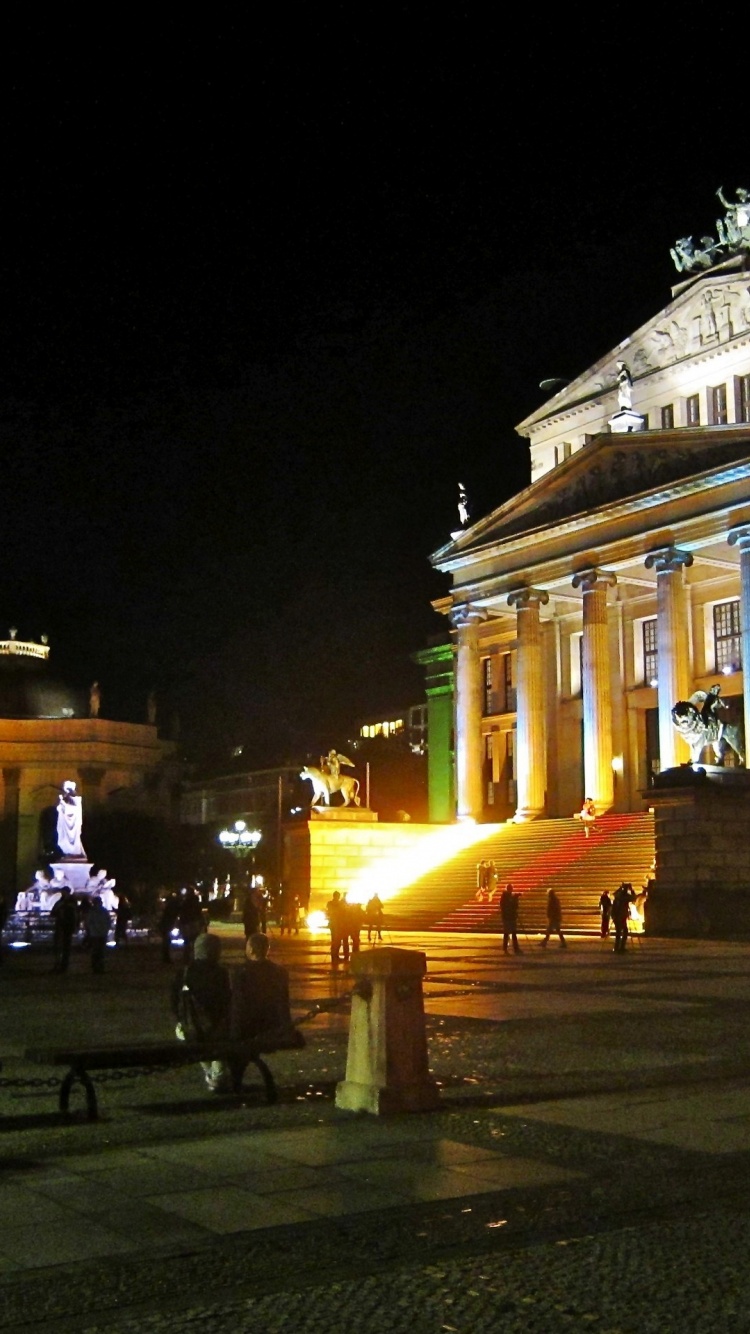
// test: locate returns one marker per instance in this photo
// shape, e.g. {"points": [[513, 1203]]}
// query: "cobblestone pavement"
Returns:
{"points": [[587, 1168]]}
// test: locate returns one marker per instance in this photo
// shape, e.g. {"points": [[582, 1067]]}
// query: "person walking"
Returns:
{"points": [[509, 903], [623, 896], [605, 910], [374, 915], [554, 920]]}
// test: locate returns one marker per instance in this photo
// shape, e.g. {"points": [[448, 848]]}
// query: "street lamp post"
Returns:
{"points": [[240, 840]]}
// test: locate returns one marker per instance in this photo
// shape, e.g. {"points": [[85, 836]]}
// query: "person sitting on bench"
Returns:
{"points": [[201, 996], [260, 1002]]}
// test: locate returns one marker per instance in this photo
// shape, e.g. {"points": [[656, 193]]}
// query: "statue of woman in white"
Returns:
{"points": [[70, 821]]}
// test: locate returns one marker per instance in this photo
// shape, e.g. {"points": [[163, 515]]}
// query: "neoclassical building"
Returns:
{"points": [[618, 581]]}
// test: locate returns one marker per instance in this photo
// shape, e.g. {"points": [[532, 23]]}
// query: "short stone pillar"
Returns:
{"points": [[386, 1065]]}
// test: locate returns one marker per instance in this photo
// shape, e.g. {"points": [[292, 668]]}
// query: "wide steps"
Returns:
{"points": [[534, 857]]}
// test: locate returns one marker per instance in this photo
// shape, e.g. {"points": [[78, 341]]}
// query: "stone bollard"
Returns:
{"points": [[386, 1064]]}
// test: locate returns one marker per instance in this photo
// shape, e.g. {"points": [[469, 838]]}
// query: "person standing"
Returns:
{"points": [[509, 903], [98, 923], [605, 909], [624, 895], [374, 914], [337, 925], [167, 923], [554, 919], [123, 914], [64, 917], [251, 913]]}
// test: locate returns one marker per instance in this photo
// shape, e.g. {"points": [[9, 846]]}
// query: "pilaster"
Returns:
{"points": [[740, 537]]}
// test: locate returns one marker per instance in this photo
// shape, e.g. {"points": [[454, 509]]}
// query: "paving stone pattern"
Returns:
{"points": [[587, 1168]]}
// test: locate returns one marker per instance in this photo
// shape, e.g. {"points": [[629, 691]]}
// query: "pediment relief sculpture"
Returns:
{"points": [[611, 474]]}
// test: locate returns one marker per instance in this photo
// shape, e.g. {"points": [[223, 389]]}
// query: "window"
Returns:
{"points": [[650, 652], [693, 410], [576, 663], [742, 398], [507, 688], [667, 417], [727, 646], [717, 401], [487, 698]]}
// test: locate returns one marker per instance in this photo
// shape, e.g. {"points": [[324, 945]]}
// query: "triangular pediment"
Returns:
{"points": [[709, 313], [612, 469]]}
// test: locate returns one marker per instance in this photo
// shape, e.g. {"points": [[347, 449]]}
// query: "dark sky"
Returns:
{"points": [[271, 287]]}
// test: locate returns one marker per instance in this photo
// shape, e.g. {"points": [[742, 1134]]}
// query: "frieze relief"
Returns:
{"points": [[615, 474], [711, 319]]}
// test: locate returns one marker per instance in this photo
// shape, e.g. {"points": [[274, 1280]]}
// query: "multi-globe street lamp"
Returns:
{"points": [[240, 840]]}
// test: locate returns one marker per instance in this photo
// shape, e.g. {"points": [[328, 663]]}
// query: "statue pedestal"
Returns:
{"points": [[387, 1067], [74, 871], [343, 814], [625, 421]]}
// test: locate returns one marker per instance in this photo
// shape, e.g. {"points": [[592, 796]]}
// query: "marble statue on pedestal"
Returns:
{"points": [[624, 387], [95, 700], [70, 821]]}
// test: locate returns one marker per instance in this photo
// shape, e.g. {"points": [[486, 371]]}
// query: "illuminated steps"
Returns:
{"points": [[535, 857]]}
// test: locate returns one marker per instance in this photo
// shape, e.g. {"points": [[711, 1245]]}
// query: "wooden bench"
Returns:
{"points": [[153, 1055]]}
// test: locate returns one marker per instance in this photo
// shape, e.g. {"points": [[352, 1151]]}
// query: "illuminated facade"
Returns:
{"points": [[47, 737], [618, 582]]}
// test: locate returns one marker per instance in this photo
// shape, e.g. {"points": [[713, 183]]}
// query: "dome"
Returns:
{"points": [[27, 687]]}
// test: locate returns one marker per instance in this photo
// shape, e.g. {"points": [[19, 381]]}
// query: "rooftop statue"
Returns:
{"points": [[95, 700], [463, 505], [70, 821], [624, 387], [698, 720], [733, 231]]}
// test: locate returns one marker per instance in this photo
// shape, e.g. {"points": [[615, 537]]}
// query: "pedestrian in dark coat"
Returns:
{"points": [[605, 908], [201, 1000], [64, 916], [98, 923], [623, 896], [509, 904]]}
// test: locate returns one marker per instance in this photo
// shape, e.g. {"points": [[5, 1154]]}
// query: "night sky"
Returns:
{"points": [[271, 288]]}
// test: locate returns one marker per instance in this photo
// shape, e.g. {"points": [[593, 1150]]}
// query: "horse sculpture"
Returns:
{"points": [[697, 720], [324, 785]]}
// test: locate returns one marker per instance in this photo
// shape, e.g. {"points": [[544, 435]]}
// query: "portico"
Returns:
{"points": [[618, 583]]}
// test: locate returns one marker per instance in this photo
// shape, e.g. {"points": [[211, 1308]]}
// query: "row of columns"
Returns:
{"points": [[673, 644]]}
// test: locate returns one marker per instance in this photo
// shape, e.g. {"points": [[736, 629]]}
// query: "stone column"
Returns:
{"points": [[740, 537], [597, 691], [531, 756], [9, 835], [672, 639], [469, 754]]}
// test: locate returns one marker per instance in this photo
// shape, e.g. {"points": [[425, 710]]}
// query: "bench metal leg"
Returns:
{"points": [[76, 1074], [268, 1080]]}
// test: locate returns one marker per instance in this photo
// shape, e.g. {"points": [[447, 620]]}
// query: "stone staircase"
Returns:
{"points": [[541, 855]]}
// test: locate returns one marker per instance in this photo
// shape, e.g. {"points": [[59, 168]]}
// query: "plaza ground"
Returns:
{"points": [[587, 1168]]}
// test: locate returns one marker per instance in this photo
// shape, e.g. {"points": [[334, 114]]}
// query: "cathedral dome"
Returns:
{"points": [[27, 687]]}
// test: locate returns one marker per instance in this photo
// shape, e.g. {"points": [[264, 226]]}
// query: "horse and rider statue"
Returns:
{"points": [[328, 779], [706, 720]]}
